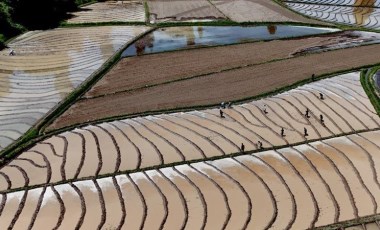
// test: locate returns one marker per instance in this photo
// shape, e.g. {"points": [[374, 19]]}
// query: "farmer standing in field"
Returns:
{"points": [[260, 144], [282, 132], [322, 120], [321, 96], [242, 147], [221, 113], [305, 132], [265, 109], [307, 113]]}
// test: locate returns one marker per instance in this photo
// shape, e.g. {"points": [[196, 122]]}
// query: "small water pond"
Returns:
{"points": [[177, 38]]}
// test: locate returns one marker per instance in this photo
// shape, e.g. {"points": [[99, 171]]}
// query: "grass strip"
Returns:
{"points": [[369, 87], [351, 223], [147, 12], [233, 23], [83, 3], [90, 24]]}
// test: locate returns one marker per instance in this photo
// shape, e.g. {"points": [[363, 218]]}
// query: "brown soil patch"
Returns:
{"points": [[214, 88]]}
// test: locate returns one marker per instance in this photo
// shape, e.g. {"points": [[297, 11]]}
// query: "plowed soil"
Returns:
{"points": [[242, 82]]}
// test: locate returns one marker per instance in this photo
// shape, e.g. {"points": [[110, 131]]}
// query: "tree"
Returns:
{"points": [[7, 27], [41, 14]]}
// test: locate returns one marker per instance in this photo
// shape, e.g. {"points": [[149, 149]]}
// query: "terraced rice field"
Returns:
{"points": [[111, 11], [357, 13], [143, 142], [179, 84], [258, 11], [182, 10], [48, 65], [301, 159], [357, 3], [299, 187]]}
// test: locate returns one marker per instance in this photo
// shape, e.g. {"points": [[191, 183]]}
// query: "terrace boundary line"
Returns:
{"points": [[157, 167], [351, 223], [147, 12], [369, 88]]}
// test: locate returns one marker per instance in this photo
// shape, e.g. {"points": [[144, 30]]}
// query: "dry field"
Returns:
{"points": [[111, 11], [258, 11], [143, 142], [214, 87], [183, 10], [48, 65], [362, 14], [299, 187]]}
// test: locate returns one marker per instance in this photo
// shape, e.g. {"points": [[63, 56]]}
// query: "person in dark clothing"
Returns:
{"points": [[221, 114], [305, 132], [313, 77], [265, 109], [242, 148], [259, 144], [321, 96], [307, 113], [321, 119], [282, 132]]}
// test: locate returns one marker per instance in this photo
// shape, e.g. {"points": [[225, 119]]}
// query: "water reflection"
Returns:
{"points": [[177, 38], [343, 40], [272, 29]]}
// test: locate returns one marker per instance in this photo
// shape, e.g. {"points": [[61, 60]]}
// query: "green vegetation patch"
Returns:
{"points": [[369, 87]]}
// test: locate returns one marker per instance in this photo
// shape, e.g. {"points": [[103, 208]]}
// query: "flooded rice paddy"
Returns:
{"points": [[346, 39], [299, 187], [178, 38], [48, 65], [350, 12]]}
